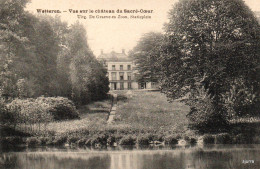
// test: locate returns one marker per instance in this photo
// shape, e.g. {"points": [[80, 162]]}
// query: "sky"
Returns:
{"points": [[115, 34]]}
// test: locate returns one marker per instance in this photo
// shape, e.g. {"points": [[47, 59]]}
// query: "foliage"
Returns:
{"points": [[204, 114], [41, 111], [127, 140], [223, 138], [41, 55], [146, 54], [88, 76], [28, 111], [241, 100], [210, 44], [171, 139], [208, 139], [143, 140], [59, 107], [33, 141]]}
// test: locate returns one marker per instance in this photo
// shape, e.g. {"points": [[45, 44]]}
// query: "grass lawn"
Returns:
{"points": [[151, 110]]}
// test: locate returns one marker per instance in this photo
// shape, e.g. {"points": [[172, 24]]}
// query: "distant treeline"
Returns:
{"points": [[41, 55]]}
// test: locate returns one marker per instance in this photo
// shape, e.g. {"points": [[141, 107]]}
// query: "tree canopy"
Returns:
{"points": [[210, 47], [146, 54], [42, 55]]}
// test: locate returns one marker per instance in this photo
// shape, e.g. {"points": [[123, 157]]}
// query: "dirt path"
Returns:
{"points": [[113, 110]]}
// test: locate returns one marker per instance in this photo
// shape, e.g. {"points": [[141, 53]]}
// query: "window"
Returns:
{"points": [[129, 85], [113, 67], [121, 67], [121, 86], [121, 75], [128, 67], [128, 76], [113, 75]]}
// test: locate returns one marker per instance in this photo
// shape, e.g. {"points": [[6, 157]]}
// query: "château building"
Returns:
{"points": [[121, 72]]}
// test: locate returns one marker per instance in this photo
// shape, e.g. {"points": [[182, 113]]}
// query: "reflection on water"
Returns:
{"points": [[216, 157]]}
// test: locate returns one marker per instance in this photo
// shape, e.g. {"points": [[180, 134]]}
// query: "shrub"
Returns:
{"points": [[243, 139], [42, 110], [111, 140], [241, 99], [73, 139], [143, 140], [208, 139], [127, 140], [59, 107], [99, 139], [223, 138], [43, 140], [205, 115], [170, 139], [29, 111], [157, 137], [82, 142], [60, 140], [32, 141], [88, 142], [11, 141], [190, 140]]}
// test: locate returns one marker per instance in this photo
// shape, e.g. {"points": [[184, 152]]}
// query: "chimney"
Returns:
{"points": [[102, 52], [123, 51]]}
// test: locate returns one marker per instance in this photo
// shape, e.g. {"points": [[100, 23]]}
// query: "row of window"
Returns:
{"points": [[121, 87], [121, 67], [121, 76]]}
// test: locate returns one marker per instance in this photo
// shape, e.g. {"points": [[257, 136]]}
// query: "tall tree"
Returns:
{"points": [[12, 43], [146, 54], [210, 44]]}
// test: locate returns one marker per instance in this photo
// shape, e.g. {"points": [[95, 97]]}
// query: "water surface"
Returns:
{"points": [[212, 157]]}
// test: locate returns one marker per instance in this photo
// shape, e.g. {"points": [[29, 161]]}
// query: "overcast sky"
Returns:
{"points": [[115, 34]]}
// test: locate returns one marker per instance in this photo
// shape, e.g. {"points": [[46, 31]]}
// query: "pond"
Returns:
{"points": [[215, 156]]}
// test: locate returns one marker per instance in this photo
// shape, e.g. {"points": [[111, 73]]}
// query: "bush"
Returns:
{"points": [[205, 115], [170, 139], [223, 138], [127, 140], [241, 100], [59, 107], [29, 111], [208, 139], [190, 140], [243, 139], [59, 140], [111, 140], [73, 139], [32, 141], [157, 137], [99, 139], [143, 140], [43, 140], [42, 109], [82, 142], [11, 141]]}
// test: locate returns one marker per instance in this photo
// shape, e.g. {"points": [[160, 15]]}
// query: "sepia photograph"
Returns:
{"points": [[129, 84]]}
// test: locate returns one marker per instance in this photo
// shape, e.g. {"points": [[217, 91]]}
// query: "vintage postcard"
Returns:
{"points": [[129, 84]]}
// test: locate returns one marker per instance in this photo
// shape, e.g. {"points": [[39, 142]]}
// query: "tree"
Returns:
{"points": [[210, 45], [12, 43], [88, 76], [146, 54]]}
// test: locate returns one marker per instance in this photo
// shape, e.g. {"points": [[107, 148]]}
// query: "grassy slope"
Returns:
{"points": [[143, 109]]}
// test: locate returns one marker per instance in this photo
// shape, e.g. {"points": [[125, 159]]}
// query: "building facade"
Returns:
{"points": [[121, 72]]}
